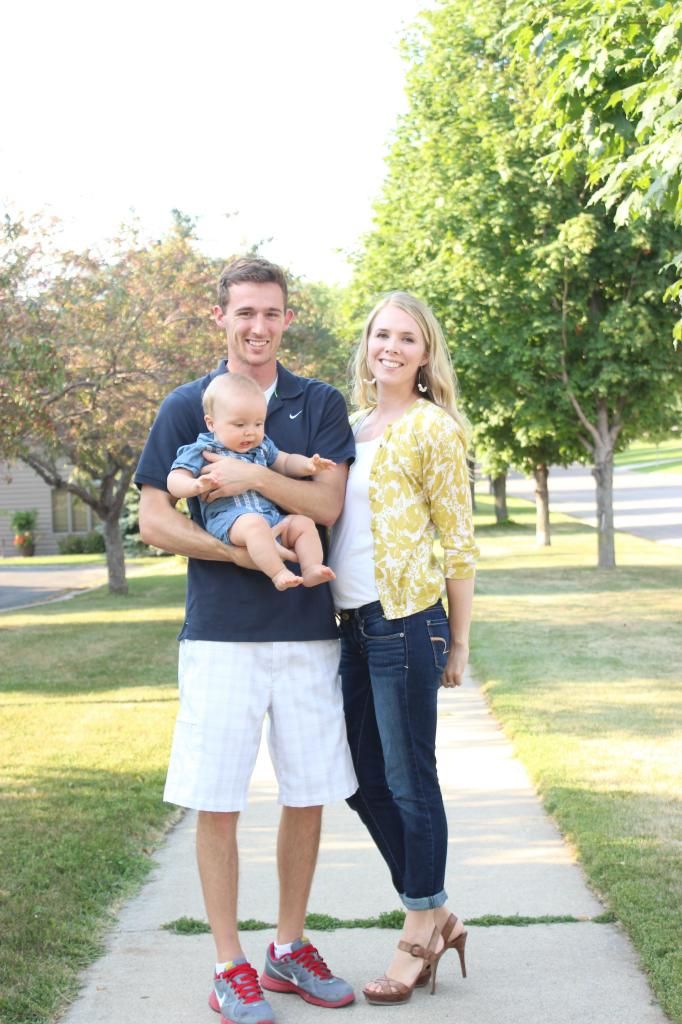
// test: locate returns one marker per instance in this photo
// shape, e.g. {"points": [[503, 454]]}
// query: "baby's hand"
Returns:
{"points": [[202, 484], [317, 464]]}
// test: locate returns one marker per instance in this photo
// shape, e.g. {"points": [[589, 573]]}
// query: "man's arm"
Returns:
{"points": [[320, 498], [166, 528]]}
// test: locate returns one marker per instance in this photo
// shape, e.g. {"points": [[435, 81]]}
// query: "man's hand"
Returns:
{"points": [[241, 556], [287, 554], [228, 476]]}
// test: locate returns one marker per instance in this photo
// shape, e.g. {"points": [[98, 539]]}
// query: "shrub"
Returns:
{"points": [[82, 544], [93, 543], [24, 520]]}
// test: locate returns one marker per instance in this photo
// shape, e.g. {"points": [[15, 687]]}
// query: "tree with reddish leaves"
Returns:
{"points": [[95, 344]]}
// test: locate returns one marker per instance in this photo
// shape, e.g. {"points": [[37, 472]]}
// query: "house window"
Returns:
{"points": [[80, 515], [69, 513], [60, 511]]}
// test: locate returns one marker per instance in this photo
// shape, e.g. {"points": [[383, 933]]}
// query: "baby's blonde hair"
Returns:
{"points": [[222, 387], [437, 375]]}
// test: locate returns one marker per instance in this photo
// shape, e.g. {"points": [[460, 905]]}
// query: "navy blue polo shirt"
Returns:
{"points": [[224, 601]]}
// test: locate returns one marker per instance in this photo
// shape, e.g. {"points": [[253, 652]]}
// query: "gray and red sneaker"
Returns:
{"points": [[238, 997], [304, 972]]}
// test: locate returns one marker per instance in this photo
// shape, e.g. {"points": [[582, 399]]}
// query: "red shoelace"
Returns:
{"points": [[311, 959], [244, 980]]}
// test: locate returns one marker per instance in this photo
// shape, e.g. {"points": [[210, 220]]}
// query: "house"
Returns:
{"points": [[59, 513]]}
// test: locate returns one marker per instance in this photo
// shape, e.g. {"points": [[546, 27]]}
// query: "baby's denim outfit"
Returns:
{"points": [[220, 515]]}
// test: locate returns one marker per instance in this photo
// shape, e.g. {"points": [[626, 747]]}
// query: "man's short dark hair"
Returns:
{"points": [[250, 268]]}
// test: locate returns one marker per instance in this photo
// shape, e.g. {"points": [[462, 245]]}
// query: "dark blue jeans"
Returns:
{"points": [[390, 672]]}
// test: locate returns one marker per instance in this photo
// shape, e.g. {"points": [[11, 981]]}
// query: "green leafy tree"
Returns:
{"points": [[315, 345], [552, 314], [612, 91], [28, 359]]}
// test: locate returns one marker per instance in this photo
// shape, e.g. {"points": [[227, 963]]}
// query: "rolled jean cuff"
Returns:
{"points": [[424, 902]]}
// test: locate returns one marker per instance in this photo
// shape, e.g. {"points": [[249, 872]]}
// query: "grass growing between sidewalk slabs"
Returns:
{"points": [[87, 703], [393, 919], [582, 667]]}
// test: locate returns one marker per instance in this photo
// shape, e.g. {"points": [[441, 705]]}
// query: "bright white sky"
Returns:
{"points": [[263, 118]]}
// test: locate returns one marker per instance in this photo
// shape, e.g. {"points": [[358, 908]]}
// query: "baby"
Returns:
{"points": [[234, 410]]}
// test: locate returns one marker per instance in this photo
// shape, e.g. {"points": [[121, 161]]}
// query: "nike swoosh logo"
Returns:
{"points": [[293, 415], [287, 975]]}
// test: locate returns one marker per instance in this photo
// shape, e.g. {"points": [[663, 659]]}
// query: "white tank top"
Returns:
{"points": [[351, 550]]}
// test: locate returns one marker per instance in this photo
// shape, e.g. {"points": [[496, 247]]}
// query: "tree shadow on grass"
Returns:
{"points": [[81, 659], [73, 648]]}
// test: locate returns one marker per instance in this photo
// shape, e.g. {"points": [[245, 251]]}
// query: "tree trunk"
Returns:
{"points": [[602, 471], [499, 489], [115, 555], [542, 536]]}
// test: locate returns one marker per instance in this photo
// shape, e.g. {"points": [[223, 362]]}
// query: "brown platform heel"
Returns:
{"points": [[459, 943], [393, 991]]}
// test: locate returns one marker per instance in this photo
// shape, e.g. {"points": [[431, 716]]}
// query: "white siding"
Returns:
{"points": [[22, 488]]}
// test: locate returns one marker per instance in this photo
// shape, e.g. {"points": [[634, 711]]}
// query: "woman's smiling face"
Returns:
{"points": [[396, 348]]}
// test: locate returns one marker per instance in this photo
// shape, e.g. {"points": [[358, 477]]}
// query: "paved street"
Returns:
{"points": [[645, 504], [24, 585]]}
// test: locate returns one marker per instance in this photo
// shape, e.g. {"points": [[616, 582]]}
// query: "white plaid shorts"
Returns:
{"points": [[226, 690]]}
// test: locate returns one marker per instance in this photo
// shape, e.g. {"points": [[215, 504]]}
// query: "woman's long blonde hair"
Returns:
{"points": [[437, 375]]}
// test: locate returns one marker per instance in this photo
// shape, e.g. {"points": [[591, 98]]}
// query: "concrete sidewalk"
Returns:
{"points": [[505, 858]]}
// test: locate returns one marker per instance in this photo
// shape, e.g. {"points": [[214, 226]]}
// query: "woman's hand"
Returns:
{"points": [[457, 662]]}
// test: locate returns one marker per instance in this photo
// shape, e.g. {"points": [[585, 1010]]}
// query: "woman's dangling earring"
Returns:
{"points": [[372, 381], [422, 387]]}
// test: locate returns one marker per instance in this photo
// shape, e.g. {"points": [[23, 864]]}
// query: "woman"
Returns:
{"points": [[409, 481]]}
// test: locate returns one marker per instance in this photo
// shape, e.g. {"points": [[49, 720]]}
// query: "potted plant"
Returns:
{"points": [[24, 524]]}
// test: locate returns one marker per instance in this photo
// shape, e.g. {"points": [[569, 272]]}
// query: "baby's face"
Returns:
{"points": [[238, 423]]}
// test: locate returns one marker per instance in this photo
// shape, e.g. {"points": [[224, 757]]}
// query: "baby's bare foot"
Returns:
{"points": [[316, 574], [285, 579]]}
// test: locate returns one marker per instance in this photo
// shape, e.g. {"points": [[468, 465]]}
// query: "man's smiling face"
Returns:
{"points": [[254, 320]]}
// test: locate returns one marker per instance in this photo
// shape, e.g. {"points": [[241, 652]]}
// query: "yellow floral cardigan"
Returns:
{"points": [[419, 484]]}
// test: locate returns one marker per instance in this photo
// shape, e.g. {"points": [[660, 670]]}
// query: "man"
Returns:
{"points": [[247, 649]]}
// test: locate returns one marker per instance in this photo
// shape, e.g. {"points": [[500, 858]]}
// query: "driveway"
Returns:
{"points": [[646, 504], [23, 585]]}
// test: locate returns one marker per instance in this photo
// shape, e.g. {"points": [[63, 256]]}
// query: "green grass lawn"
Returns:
{"points": [[72, 560], [582, 667], [86, 711], [665, 457]]}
